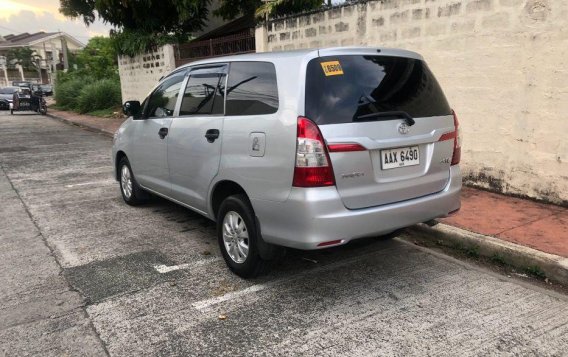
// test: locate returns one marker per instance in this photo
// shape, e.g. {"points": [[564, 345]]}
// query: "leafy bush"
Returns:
{"points": [[98, 95], [67, 91]]}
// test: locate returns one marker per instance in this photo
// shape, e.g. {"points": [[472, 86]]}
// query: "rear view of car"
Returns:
{"points": [[378, 149], [382, 117]]}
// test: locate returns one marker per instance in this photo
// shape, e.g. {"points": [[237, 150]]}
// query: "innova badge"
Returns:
{"points": [[403, 128]]}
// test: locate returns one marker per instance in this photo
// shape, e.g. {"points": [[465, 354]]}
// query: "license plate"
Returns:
{"points": [[400, 157]]}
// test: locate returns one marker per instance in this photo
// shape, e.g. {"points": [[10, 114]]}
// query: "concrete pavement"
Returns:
{"points": [[73, 248]]}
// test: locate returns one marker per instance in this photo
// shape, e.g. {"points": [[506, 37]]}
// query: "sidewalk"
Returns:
{"points": [[105, 125], [536, 225], [523, 232]]}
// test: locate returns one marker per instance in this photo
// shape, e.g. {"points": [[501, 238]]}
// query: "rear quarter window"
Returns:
{"points": [[251, 89], [364, 85]]}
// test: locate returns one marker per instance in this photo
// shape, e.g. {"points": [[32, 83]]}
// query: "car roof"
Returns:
{"points": [[311, 53]]}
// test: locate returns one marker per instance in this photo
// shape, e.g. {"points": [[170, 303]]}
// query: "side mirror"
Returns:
{"points": [[132, 108]]}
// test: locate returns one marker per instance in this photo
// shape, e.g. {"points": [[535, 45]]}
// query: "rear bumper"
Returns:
{"points": [[315, 215]]}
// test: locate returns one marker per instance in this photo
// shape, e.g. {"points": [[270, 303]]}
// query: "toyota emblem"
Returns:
{"points": [[403, 128]]}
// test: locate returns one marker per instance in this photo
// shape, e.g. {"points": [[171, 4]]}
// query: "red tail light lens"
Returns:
{"points": [[456, 137], [456, 157], [313, 167]]}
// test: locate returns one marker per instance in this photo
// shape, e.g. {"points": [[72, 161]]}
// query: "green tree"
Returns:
{"points": [[231, 9], [141, 25], [156, 21], [24, 56], [98, 58]]}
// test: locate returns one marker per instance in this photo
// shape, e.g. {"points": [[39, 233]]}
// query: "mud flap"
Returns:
{"points": [[267, 251]]}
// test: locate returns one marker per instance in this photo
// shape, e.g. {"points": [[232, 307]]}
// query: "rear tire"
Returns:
{"points": [[237, 236], [131, 192]]}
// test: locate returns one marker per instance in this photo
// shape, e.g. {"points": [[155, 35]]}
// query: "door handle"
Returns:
{"points": [[211, 135], [163, 133]]}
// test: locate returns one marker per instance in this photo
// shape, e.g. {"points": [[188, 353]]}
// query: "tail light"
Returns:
{"points": [[456, 136], [456, 157], [313, 166]]}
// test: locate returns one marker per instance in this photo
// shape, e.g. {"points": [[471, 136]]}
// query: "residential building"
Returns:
{"points": [[48, 45]]}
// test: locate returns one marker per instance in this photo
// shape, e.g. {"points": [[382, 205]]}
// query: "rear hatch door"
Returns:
{"points": [[394, 108]]}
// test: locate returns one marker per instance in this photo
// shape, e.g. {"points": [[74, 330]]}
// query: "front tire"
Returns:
{"points": [[131, 192], [238, 237]]}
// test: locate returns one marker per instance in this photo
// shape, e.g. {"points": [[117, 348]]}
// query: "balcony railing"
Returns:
{"points": [[227, 45]]}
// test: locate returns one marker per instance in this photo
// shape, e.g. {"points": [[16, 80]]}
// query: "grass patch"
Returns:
{"points": [[535, 271], [498, 259], [106, 113], [472, 252]]}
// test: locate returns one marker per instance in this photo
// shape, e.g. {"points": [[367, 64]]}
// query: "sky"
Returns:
{"points": [[18, 16]]}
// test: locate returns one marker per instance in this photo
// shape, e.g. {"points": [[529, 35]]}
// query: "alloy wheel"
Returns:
{"points": [[235, 237]]}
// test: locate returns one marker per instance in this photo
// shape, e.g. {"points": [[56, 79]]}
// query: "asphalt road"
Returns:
{"points": [[82, 273]]}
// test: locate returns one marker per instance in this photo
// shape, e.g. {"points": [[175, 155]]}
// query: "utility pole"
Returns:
{"points": [[64, 49], [54, 64], [4, 65]]}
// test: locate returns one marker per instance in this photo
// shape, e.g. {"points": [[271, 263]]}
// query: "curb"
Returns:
{"points": [[81, 125], [553, 266]]}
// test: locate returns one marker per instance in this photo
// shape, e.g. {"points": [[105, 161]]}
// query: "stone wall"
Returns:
{"points": [[502, 63], [138, 75]]}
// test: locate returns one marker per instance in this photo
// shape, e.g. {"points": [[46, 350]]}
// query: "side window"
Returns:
{"points": [[162, 102], [252, 89], [204, 92]]}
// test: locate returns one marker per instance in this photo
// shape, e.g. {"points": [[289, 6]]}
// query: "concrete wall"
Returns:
{"points": [[503, 65], [138, 75]]}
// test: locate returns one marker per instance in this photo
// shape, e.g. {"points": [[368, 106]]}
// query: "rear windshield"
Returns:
{"points": [[343, 89]]}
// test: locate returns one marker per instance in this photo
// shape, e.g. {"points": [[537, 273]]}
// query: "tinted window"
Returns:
{"points": [[8, 90], [252, 89], [371, 84], [162, 101], [204, 93]]}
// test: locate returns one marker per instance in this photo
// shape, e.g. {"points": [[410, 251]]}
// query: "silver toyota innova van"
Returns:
{"points": [[304, 149]]}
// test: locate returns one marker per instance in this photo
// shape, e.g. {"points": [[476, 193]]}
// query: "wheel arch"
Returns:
{"points": [[119, 155], [222, 190]]}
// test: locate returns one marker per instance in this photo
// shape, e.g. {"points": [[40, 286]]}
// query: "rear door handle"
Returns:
{"points": [[163, 133], [211, 135]]}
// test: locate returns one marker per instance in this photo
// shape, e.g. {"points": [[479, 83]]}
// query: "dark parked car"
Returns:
{"points": [[6, 97], [47, 89], [25, 84]]}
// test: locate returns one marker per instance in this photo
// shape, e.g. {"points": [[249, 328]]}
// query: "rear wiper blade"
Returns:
{"points": [[386, 116]]}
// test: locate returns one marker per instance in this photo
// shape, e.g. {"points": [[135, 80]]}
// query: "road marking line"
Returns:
{"points": [[206, 304], [89, 183], [162, 269]]}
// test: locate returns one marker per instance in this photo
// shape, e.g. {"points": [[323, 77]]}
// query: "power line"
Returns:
{"points": [[9, 29]]}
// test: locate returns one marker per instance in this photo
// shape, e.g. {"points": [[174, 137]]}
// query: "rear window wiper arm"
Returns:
{"points": [[387, 116]]}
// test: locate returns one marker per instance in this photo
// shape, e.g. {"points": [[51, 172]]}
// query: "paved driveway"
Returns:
{"points": [[82, 273]]}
